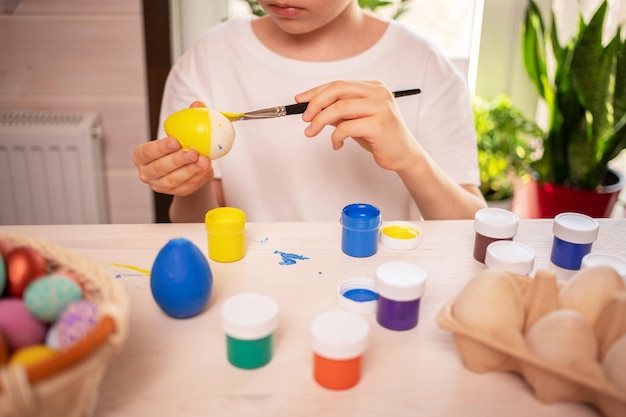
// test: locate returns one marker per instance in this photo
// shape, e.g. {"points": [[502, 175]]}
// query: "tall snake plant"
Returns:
{"points": [[585, 94]]}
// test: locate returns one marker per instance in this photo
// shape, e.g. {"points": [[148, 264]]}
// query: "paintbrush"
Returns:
{"points": [[280, 111]]}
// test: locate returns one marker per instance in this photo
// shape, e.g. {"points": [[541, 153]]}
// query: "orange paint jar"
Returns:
{"points": [[339, 341]]}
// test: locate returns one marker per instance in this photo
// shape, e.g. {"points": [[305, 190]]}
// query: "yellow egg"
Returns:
{"points": [[31, 355], [207, 131]]}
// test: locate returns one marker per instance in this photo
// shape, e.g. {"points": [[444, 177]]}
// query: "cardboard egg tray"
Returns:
{"points": [[487, 352]]}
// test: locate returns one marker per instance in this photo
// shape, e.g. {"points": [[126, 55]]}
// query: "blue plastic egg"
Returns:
{"points": [[181, 279]]}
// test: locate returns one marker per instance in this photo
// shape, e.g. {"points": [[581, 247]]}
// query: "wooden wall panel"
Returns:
{"points": [[71, 55], [78, 6], [85, 55]]}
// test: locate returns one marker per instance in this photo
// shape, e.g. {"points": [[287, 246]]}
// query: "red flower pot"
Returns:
{"points": [[536, 200]]}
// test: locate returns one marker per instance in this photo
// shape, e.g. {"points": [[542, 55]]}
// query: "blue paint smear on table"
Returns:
{"points": [[290, 258]]}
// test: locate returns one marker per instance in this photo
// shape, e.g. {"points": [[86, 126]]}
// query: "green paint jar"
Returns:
{"points": [[249, 321]]}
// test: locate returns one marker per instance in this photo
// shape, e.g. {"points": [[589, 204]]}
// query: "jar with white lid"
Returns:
{"points": [[508, 255], [492, 224], [574, 234], [400, 286], [339, 341], [616, 262], [249, 321]]}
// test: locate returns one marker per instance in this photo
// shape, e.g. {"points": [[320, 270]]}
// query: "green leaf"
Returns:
{"points": [[533, 47], [592, 68], [557, 50], [619, 95]]}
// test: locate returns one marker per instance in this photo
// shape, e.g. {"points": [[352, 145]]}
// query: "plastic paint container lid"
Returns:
{"points": [[339, 335], [575, 228], [496, 223], [249, 316], [225, 220], [510, 256], [400, 281], [400, 235], [357, 295], [595, 259], [360, 216]]}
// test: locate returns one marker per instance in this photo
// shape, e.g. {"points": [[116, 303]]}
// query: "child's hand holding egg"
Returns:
{"points": [[207, 131]]}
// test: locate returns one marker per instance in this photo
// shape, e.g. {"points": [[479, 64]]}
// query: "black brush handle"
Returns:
{"points": [[301, 107], [296, 108], [410, 92]]}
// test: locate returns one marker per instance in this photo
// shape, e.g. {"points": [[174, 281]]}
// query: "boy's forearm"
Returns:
{"points": [[192, 208], [436, 195]]}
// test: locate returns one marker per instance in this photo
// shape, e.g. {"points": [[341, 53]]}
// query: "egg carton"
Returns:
{"points": [[66, 384], [486, 345]]}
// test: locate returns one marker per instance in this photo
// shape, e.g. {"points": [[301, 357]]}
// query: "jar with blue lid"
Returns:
{"points": [[574, 234], [360, 225]]}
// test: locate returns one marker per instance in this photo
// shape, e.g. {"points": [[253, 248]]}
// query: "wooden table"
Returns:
{"points": [[171, 367]]}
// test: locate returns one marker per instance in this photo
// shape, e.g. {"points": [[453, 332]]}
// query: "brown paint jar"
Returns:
{"points": [[492, 224]]}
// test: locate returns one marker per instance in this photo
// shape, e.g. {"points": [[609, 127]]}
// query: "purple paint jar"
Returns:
{"points": [[492, 224], [400, 286], [574, 234], [361, 223]]}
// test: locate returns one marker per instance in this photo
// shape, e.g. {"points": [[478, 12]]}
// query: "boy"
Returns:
{"points": [[412, 156]]}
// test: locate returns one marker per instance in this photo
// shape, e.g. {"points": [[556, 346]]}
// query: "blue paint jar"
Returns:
{"points": [[361, 223], [574, 235]]}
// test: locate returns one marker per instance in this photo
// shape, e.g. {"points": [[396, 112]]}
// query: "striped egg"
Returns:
{"points": [[47, 297]]}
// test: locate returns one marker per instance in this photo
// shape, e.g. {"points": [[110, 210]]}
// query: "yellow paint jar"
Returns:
{"points": [[225, 233]]}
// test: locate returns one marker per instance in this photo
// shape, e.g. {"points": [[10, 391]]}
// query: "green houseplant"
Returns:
{"points": [[585, 94], [504, 138]]}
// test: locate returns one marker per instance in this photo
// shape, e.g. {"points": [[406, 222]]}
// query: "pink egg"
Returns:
{"points": [[75, 322], [18, 326], [24, 265]]}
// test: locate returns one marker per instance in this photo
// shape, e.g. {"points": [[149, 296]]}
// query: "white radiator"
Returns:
{"points": [[51, 168]]}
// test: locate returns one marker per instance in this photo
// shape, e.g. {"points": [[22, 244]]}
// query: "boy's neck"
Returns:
{"points": [[345, 37]]}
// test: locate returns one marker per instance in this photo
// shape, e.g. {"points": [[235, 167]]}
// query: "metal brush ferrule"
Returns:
{"points": [[266, 113]]}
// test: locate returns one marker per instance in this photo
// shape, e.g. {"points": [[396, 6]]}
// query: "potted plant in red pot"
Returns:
{"points": [[503, 136], [585, 95]]}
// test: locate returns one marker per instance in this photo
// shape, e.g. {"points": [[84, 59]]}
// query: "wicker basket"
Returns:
{"points": [[66, 384]]}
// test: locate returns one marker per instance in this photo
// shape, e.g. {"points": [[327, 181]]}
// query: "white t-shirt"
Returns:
{"points": [[274, 172]]}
